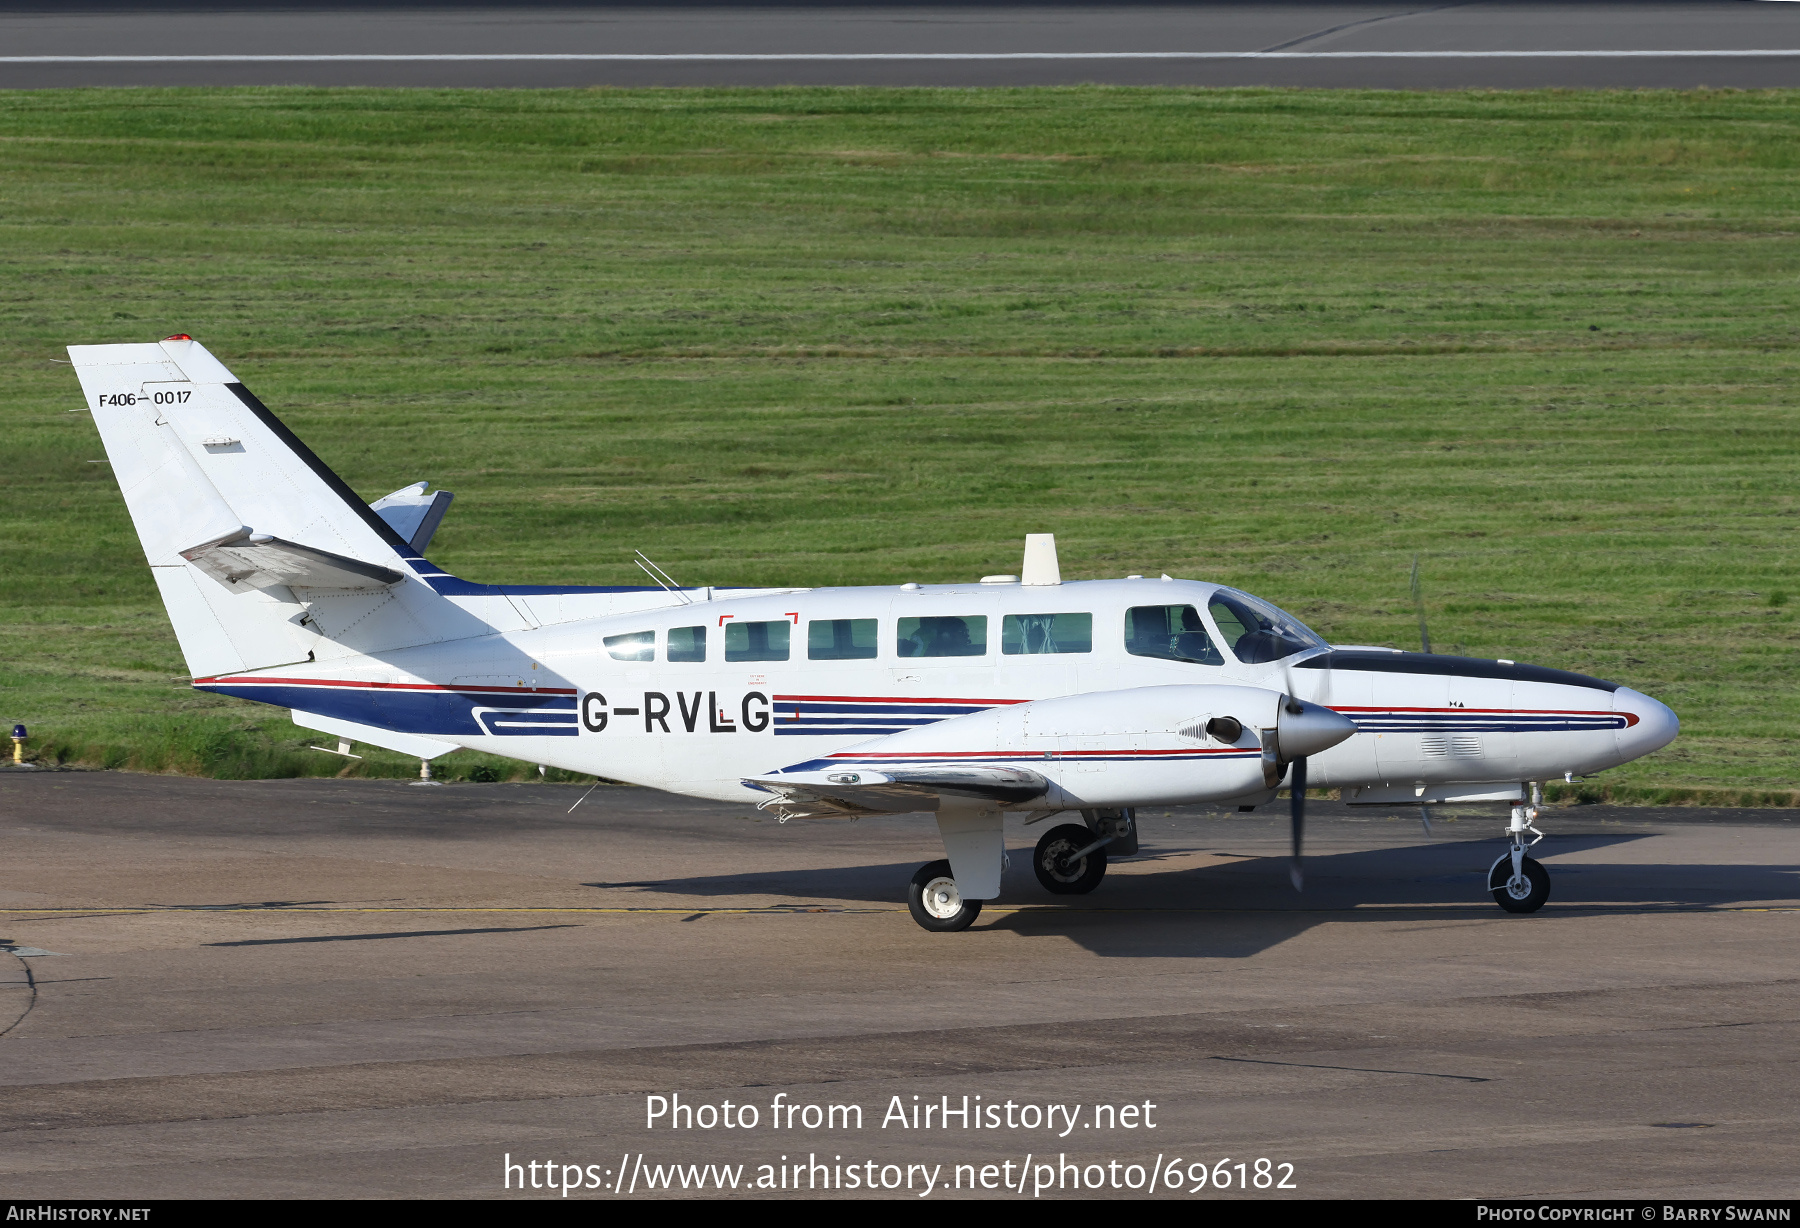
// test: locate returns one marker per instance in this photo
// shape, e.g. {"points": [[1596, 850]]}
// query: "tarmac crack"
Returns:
{"points": [[1352, 25], [31, 1001], [1423, 1074], [499, 929]]}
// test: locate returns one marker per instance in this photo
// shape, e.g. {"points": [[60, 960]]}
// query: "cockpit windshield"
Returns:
{"points": [[1256, 631]]}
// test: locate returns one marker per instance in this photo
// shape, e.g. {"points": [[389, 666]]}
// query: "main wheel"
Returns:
{"points": [[1060, 875], [935, 902], [1526, 893]]}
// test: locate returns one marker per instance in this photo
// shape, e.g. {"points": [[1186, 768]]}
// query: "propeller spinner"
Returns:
{"points": [[1301, 729]]}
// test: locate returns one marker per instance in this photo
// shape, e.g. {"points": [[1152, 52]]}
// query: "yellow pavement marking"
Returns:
{"points": [[792, 909]]}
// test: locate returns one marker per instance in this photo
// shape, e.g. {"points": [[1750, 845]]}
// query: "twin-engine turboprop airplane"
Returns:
{"points": [[1017, 694]]}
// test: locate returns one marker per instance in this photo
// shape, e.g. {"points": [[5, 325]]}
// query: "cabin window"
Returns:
{"points": [[1032, 634], [840, 639], [687, 643], [941, 636], [1170, 633], [1256, 631], [756, 641], [637, 646]]}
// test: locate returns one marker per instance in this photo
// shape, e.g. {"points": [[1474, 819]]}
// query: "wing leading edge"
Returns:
{"points": [[849, 793]]}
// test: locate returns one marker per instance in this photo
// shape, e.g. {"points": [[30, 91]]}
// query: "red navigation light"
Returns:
{"points": [[178, 337]]}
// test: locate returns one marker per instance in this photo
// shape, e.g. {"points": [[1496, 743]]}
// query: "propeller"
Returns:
{"points": [[1301, 729], [1418, 594], [1419, 604], [1297, 776], [1297, 812]]}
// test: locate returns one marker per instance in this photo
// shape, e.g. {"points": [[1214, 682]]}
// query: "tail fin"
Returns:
{"points": [[262, 555]]}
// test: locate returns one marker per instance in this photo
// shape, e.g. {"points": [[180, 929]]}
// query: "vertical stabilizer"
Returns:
{"points": [[200, 462]]}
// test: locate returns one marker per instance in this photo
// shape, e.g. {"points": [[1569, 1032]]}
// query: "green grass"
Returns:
{"points": [[1546, 341]]}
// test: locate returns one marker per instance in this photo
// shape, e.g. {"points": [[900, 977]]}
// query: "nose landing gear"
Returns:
{"points": [[1519, 883]]}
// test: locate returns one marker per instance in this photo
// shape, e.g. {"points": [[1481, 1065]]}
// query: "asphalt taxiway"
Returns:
{"points": [[346, 988], [1477, 43]]}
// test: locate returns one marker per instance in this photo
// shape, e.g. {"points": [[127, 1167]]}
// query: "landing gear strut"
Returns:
{"points": [[1519, 883]]}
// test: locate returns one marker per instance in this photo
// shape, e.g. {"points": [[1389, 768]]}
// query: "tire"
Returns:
{"points": [[1536, 877], [935, 903], [1077, 879]]}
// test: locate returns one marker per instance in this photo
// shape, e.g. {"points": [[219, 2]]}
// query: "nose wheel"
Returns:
{"points": [[1523, 891], [1519, 883], [936, 904]]}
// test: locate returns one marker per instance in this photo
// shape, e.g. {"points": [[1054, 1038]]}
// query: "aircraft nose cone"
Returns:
{"points": [[1311, 730], [1653, 726]]}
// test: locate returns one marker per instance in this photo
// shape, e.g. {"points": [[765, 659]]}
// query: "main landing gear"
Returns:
{"points": [[1519, 883], [1069, 860], [936, 904]]}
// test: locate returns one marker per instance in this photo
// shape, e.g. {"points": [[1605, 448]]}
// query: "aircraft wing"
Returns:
{"points": [[843, 793]]}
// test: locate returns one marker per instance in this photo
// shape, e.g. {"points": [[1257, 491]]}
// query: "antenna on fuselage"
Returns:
{"points": [[1425, 646], [661, 577], [1040, 566]]}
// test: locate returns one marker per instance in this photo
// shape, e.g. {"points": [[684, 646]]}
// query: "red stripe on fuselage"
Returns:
{"points": [[1040, 754], [385, 686], [889, 699]]}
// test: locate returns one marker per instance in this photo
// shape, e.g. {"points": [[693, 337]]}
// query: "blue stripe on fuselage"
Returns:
{"points": [[446, 713]]}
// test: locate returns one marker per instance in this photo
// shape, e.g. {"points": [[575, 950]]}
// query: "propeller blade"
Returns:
{"points": [[1297, 808], [1419, 603], [1425, 818]]}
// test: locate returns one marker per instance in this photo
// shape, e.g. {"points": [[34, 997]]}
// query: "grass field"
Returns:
{"points": [[1546, 341]]}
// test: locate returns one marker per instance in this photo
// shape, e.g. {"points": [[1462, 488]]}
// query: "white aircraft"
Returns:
{"points": [[1017, 694]]}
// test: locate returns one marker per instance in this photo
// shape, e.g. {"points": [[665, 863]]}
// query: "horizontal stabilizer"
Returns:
{"points": [[243, 560], [836, 794], [414, 514], [351, 731]]}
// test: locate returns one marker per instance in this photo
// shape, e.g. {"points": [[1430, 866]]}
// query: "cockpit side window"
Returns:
{"points": [[1031, 634], [1170, 633], [687, 643], [1257, 632], [964, 636], [634, 646]]}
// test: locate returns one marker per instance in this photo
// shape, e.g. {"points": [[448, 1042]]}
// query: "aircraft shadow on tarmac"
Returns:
{"points": [[1238, 908]]}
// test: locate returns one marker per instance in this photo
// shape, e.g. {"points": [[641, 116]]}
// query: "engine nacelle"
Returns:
{"points": [[1147, 746]]}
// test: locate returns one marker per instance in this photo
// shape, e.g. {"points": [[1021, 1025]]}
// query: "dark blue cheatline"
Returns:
{"points": [[429, 711], [516, 723], [1457, 720]]}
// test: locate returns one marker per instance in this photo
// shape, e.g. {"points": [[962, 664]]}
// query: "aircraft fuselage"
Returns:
{"points": [[716, 688]]}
